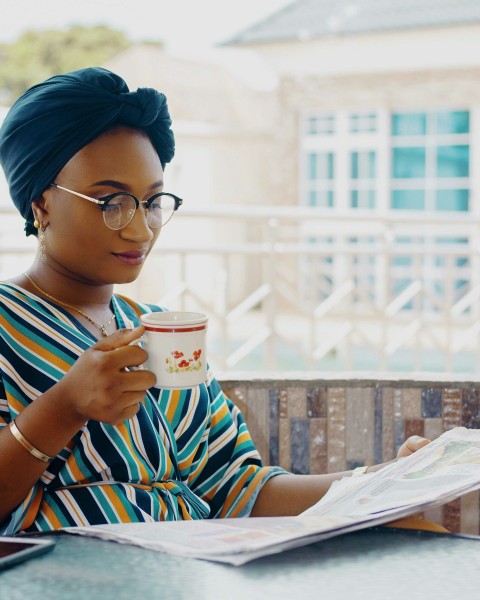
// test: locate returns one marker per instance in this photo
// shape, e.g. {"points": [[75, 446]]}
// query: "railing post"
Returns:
{"points": [[271, 301]]}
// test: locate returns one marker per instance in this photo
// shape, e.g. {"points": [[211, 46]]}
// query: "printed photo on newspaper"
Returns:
{"points": [[443, 470]]}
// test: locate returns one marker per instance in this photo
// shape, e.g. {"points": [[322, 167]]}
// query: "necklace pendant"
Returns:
{"points": [[104, 330]]}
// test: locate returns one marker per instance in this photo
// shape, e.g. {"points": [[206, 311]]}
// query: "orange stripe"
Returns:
{"points": [[72, 465], [33, 509], [39, 322], [173, 404], [199, 468], [183, 509], [234, 492], [48, 513], [26, 341], [116, 504]]}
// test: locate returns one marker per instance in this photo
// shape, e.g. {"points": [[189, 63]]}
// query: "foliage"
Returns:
{"points": [[37, 55]]}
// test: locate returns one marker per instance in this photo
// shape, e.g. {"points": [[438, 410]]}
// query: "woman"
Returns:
{"points": [[85, 437]]}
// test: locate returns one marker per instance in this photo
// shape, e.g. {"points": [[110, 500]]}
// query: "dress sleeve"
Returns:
{"points": [[21, 516], [232, 473]]}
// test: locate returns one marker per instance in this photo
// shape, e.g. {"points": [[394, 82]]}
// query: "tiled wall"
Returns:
{"points": [[318, 426]]}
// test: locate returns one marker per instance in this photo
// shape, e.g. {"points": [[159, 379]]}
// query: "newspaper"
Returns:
{"points": [[443, 470]]}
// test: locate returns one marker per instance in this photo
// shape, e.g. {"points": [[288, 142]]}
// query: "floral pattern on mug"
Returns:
{"points": [[177, 363]]}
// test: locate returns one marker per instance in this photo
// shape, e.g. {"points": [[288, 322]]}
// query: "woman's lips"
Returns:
{"points": [[132, 258]]}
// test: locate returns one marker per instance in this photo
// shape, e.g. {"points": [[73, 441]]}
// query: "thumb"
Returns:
{"points": [[122, 337], [411, 445], [415, 442]]}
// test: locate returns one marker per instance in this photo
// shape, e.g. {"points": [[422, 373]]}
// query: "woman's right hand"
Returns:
{"points": [[100, 385]]}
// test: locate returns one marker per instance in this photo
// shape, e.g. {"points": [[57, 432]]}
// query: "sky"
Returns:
{"points": [[179, 23]]}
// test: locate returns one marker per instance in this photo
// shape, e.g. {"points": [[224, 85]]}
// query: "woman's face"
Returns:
{"points": [[78, 242]]}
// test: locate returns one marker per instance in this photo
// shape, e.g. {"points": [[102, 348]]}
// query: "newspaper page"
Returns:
{"points": [[441, 471], [232, 541], [444, 469]]}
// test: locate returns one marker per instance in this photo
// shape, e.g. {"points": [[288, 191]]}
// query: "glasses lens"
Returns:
{"points": [[119, 211], [160, 210]]}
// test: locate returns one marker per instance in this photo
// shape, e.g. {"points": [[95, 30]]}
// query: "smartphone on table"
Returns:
{"points": [[14, 550]]}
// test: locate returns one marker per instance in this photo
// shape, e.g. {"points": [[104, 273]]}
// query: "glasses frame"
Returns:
{"points": [[104, 200]]}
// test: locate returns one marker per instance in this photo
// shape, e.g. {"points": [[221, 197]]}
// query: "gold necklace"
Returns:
{"points": [[103, 328]]}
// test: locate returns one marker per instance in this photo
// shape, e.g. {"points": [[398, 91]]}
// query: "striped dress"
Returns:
{"points": [[187, 454]]}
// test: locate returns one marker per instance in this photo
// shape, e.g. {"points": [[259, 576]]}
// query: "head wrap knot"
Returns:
{"points": [[53, 120], [140, 108]]}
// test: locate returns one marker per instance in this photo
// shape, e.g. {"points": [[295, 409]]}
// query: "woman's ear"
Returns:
{"points": [[40, 210]]}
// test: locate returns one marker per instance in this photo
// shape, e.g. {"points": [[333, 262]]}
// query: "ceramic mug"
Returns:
{"points": [[175, 342]]}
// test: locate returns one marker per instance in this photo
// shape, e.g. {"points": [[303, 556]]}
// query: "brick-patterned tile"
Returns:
{"points": [[297, 402], [452, 408], [377, 426], [451, 516], [283, 404], [317, 402], [388, 419], [336, 429], [433, 428], [471, 408], [318, 445], [414, 427], [398, 422], [284, 444], [273, 431], [300, 445], [359, 421], [411, 403], [258, 411], [470, 513], [431, 402]]}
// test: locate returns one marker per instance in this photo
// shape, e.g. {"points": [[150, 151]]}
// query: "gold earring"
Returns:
{"points": [[43, 254], [36, 224]]}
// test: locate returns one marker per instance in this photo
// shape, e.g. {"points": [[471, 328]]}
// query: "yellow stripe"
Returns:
{"points": [[248, 492], [172, 404], [48, 514], [123, 515], [123, 430]]}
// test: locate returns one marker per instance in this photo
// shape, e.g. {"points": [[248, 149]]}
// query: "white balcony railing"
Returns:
{"points": [[296, 288]]}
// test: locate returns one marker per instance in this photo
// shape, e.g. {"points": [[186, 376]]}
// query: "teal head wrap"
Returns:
{"points": [[53, 120]]}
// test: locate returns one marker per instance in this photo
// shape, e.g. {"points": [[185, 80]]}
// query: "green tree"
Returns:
{"points": [[36, 55]]}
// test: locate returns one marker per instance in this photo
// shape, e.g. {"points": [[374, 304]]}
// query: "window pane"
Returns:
{"points": [[323, 198], [312, 166], [402, 261], [363, 122], [354, 199], [325, 165], [321, 125], [452, 161], [453, 122], [354, 165], [452, 200], [409, 124], [408, 163], [363, 165], [362, 199], [408, 199], [320, 165]]}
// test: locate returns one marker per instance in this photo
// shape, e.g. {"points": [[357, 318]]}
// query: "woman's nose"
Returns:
{"points": [[138, 228]]}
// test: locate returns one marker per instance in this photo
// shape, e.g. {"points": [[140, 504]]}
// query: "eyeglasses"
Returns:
{"points": [[119, 208]]}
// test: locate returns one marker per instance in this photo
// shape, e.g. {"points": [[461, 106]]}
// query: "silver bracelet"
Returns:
{"points": [[27, 445]]}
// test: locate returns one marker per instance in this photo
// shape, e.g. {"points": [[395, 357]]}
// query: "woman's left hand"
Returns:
{"points": [[411, 445]]}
